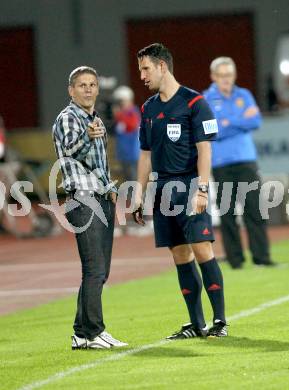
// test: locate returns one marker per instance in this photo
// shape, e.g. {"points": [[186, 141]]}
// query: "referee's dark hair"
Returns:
{"points": [[157, 52], [81, 70]]}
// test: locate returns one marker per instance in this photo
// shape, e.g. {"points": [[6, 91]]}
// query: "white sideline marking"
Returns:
{"points": [[257, 309], [73, 370], [118, 356]]}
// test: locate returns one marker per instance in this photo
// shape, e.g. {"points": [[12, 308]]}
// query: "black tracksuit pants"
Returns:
{"points": [[95, 248], [255, 225]]}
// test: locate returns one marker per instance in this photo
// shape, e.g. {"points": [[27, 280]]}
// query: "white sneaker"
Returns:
{"points": [[107, 337], [78, 342], [98, 343]]}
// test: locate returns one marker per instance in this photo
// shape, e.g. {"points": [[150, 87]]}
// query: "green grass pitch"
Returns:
{"points": [[35, 343]]}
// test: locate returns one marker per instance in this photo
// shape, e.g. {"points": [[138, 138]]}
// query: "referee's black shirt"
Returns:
{"points": [[170, 130]]}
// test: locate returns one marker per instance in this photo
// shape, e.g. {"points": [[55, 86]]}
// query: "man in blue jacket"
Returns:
{"points": [[234, 160]]}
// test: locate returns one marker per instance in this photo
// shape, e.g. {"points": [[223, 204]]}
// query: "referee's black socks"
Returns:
{"points": [[213, 283], [191, 287]]}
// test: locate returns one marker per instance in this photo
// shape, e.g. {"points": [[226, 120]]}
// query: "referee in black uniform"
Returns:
{"points": [[80, 142], [176, 129]]}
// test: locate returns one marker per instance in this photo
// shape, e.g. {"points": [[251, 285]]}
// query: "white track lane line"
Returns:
{"points": [[118, 356], [37, 291], [67, 264]]}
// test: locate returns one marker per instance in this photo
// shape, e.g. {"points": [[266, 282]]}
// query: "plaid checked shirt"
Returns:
{"points": [[83, 162]]}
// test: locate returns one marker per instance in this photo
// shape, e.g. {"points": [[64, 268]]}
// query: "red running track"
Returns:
{"points": [[36, 271]]}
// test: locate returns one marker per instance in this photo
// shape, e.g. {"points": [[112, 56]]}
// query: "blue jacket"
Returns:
{"points": [[127, 122], [234, 143]]}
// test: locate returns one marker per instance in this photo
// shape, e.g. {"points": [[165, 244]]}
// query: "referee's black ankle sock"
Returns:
{"points": [[191, 287], [213, 283]]}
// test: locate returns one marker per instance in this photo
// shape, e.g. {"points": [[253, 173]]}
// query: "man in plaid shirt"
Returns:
{"points": [[80, 141]]}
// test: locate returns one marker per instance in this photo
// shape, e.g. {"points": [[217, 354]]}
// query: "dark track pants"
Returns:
{"points": [[95, 247], [255, 225]]}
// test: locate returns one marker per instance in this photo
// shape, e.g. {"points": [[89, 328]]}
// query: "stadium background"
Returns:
{"points": [[42, 41], [68, 32]]}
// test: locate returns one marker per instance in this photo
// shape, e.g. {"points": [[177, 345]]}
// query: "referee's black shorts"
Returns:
{"points": [[182, 228]]}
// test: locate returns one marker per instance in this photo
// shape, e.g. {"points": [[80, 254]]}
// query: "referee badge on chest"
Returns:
{"points": [[174, 131]]}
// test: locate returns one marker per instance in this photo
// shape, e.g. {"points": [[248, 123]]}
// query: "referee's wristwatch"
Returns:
{"points": [[204, 188]]}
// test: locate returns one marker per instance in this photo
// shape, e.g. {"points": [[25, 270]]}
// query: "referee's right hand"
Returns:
{"points": [[138, 214]]}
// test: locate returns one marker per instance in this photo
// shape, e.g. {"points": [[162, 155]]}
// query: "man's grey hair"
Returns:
{"points": [[81, 70], [221, 61]]}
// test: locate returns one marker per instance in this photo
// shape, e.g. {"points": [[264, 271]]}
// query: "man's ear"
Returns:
{"points": [[70, 91], [164, 66], [97, 89], [213, 77]]}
